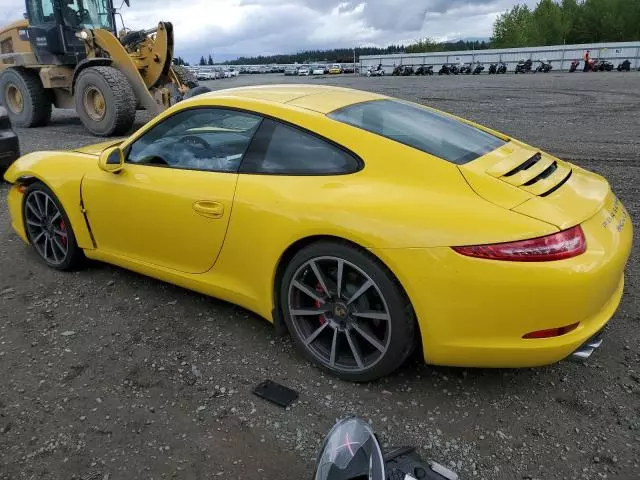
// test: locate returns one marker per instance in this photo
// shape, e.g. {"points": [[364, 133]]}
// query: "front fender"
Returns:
{"points": [[62, 173]]}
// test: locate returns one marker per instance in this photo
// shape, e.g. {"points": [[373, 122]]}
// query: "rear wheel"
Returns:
{"points": [[346, 312], [105, 101], [48, 228], [27, 101]]}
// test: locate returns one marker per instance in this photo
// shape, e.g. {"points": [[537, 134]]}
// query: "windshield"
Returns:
{"points": [[87, 14], [420, 128]]}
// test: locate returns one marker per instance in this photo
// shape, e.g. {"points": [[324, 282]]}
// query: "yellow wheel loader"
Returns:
{"points": [[68, 54]]}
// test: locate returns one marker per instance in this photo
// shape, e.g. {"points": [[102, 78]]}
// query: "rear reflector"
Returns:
{"points": [[558, 246], [552, 332]]}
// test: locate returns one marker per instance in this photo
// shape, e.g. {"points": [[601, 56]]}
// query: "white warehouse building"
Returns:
{"points": [[560, 56]]}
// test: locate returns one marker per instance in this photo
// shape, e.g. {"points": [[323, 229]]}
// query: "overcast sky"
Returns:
{"points": [[229, 28]]}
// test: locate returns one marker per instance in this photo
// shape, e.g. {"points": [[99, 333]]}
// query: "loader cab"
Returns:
{"points": [[53, 25]]}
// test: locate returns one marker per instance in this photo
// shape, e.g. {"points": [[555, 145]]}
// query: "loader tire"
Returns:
{"points": [[185, 76], [105, 101], [27, 101]]}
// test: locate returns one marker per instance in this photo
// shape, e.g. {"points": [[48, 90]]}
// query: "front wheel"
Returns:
{"points": [[105, 101], [48, 228], [346, 312]]}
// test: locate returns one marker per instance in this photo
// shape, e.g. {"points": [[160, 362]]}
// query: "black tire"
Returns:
{"points": [[74, 254], [402, 333], [119, 101], [197, 91], [185, 76], [36, 101]]}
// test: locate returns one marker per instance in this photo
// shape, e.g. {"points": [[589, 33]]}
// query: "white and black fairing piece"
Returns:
{"points": [[351, 451]]}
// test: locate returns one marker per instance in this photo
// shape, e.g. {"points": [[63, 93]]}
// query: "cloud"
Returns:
{"points": [[229, 28]]}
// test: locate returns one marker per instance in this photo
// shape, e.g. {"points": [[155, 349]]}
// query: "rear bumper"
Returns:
{"points": [[475, 312]]}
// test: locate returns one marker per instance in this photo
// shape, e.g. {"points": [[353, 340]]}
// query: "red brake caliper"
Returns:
{"points": [[64, 229], [322, 318]]}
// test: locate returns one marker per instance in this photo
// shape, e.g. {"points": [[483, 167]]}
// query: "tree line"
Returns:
{"points": [[345, 55], [568, 22]]}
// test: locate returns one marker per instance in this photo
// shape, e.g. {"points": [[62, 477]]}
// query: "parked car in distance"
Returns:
{"points": [[304, 71], [9, 144], [348, 68], [318, 70], [254, 69], [335, 69], [290, 70]]}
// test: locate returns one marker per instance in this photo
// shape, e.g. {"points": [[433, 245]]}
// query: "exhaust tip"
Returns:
{"points": [[587, 348]]}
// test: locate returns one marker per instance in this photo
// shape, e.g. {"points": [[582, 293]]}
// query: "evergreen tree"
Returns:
{"points": [[555, 22]]}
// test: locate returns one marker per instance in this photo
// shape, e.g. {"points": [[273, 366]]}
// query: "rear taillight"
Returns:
{"points": [[561, 245]]}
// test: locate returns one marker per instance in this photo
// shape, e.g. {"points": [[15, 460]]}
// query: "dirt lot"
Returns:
{"points": [[110, 375]]}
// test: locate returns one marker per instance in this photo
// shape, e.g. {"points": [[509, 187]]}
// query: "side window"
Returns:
{"points": [[286, 150], [212, 139], [40, 11]]}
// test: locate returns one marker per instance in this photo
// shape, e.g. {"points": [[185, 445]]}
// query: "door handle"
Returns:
{"points": [[209, 209]]}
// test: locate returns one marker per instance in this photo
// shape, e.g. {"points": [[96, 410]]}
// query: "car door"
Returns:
{"points": [[171, 203]]}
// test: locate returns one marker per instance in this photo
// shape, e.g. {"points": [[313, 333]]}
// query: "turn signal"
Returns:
{"points": [[558, 246]]}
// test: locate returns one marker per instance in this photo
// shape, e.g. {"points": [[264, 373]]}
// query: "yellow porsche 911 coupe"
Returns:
{"points": [[365, 225]]}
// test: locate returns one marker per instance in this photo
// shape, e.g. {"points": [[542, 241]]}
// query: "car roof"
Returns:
{"points": [[318, 98]]}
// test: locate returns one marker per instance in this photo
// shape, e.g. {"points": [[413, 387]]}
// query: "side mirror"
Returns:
{"points": [[111, 160]]}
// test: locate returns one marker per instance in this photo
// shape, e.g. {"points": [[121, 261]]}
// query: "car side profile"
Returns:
{"points": [[365, 226]]}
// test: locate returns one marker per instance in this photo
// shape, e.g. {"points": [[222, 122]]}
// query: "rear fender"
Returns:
{"points": [[62, 173]]}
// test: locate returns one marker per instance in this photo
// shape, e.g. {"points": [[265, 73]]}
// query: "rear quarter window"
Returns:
{"points": [[281, 149], [420, 128]]}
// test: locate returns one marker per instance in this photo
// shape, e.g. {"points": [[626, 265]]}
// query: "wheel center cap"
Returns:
{"points": [[340, 311]]}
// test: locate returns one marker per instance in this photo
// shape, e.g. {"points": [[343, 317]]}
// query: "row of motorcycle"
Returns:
{"points": [[523, 66], [595, 65]]}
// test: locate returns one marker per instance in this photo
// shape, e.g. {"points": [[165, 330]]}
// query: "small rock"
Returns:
{"points": [[111, 283], [200, 408], [83, 418], [68, 333], [7, 291]]}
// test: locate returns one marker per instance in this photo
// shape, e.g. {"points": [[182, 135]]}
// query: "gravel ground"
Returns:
{"points": [[110, 375]]}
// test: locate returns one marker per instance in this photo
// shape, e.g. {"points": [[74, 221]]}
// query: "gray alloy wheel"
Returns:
{"points": [[48, 228], [340, 314], [346, 311]]}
